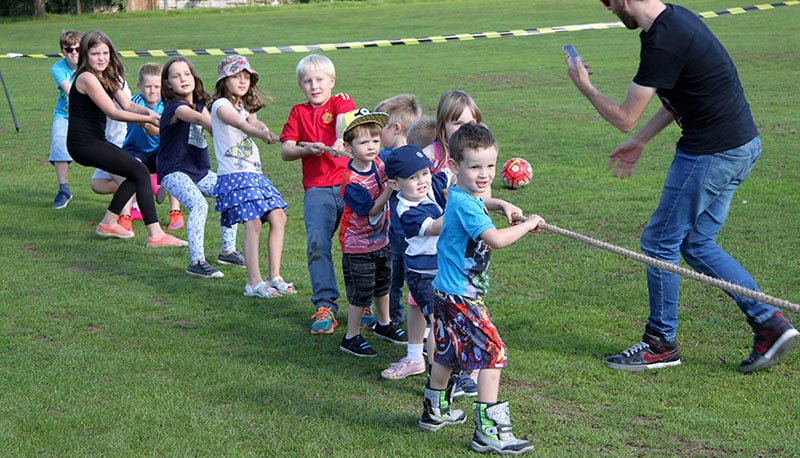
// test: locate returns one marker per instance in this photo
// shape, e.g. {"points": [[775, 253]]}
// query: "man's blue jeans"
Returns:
{"points": [[694, 205], [322, 210]]}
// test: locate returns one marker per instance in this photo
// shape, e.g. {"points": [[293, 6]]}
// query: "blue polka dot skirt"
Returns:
{"points": [[245, 196]]}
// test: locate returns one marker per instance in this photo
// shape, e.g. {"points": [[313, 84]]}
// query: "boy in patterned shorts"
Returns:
{"points": [[464, 333]]}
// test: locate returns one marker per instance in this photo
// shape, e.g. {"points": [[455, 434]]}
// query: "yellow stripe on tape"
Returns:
{"points": [[399, 42]]}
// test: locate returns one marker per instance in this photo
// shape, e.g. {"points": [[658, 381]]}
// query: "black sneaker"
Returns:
{"points": [[391, 332], [653, 352], [61, 200], [357, 346], [771, 340], [463, 385], [233, 258], [203, 269]]}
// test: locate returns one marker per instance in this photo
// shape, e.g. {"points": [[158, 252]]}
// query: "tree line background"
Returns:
{"points": [[41, 7]]}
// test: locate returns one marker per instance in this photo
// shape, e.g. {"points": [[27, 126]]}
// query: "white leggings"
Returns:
{"points": [[193, 196]]}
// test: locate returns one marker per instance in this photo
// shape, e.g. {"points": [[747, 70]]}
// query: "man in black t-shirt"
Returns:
{"points": [[685, 65]]}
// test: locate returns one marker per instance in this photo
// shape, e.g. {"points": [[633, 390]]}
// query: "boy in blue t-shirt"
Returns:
{"points": [[464, 333], [63, 73]]}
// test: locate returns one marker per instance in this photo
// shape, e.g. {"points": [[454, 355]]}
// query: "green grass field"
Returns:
{"points": [[108, 348]]}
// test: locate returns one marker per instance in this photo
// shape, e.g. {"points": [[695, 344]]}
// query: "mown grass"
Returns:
{"points": [[110, 349]]}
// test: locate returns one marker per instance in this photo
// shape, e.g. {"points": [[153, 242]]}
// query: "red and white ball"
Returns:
{"points": [[516, 173]]}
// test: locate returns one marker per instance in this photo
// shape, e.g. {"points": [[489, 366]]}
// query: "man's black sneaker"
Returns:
{"points": [[653, 352], [391, 332], [357, 346], [771, 340]]}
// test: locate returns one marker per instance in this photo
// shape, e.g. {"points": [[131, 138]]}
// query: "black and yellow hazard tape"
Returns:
{"points": [[398, 42]]}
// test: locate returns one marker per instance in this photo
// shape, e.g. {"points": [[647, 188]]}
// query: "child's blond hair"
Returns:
{"points": [[315, 62], [403, 109]]}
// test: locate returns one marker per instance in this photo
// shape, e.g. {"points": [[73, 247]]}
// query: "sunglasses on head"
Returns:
{"points": [[71, 49], [606, 3]]}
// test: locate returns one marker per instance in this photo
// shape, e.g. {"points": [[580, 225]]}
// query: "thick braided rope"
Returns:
{"points": [[659, 264]]}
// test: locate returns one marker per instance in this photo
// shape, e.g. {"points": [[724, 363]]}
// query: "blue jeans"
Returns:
{"points": [[694, 205], [322, 210]]}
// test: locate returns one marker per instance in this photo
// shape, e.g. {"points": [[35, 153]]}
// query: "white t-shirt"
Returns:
{"points": [[117, 130], [235, 151]]}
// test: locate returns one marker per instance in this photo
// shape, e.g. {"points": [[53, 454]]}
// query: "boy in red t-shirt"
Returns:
{"points": [[310, 134]]}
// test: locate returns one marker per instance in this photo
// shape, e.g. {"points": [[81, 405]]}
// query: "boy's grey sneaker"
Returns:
{"points": [[391, 332], [436, 411], [493, 431], [357, 346], [463, 385], [771, 340], [203, 269], [233, 258], [652, 352], [61, 200]]}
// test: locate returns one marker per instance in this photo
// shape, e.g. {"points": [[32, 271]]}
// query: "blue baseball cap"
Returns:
{"points": [[406, 161]]}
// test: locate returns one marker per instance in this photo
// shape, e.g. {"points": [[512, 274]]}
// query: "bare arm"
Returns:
{"points": [[229, 116], [255, 122], [508, 209], [623, 158], [186, 114], [380, 202], [291, 151], [88, 84], [501, 238], [435, 228], [624, 116], [65, 86]]}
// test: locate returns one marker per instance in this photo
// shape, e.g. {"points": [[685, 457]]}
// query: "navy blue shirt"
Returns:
{"points": [[182, 146], [696, 81]]}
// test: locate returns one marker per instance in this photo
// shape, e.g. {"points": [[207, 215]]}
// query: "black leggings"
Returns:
{"points": [[107, 156]]}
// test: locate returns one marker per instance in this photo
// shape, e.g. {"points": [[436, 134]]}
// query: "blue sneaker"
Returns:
{"points": [[324, 321], [61, 200], [367, 318], [464, 386]]}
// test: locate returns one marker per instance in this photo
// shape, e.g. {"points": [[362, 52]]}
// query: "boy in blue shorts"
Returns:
{"points": [[417, 218], [364, 233], [63, 72], [464, 334]]}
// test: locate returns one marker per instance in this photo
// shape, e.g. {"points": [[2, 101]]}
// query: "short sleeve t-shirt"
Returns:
{"points": [[414, 218], [183, 147], [61, 72], [235, 150], [463, 258], [696, 81], [359, 232], [318, 124], [137, 139]]}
